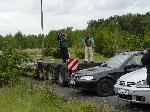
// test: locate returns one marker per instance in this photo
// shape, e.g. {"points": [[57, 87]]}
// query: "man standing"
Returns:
{"points": [[146, 62], [63, 40], [88, 44]]}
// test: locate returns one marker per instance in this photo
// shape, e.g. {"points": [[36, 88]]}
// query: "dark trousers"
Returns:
{"points": [[148, 77], [64, 54]]}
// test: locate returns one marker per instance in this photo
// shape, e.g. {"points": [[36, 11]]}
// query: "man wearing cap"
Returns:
{"points": [[88, 44], [146, 62]]}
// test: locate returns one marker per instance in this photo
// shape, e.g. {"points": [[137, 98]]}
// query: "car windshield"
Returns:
{"points": [[116, 61]]}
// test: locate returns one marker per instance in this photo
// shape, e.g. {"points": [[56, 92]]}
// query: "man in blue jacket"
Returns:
{"points": [[88, 44]]}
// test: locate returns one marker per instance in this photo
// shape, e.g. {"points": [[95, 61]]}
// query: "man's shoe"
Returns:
{"points": [[85, 61], [92, 61]]}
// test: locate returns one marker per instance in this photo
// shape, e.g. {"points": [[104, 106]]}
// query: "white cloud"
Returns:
{"points": [[24, 15]]}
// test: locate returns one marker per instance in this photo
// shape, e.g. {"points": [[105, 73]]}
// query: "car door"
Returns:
{"points": [[134, 64]]}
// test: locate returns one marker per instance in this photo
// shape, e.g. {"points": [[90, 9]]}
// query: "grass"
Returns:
{"points": [[97, 57], [25, 97]]}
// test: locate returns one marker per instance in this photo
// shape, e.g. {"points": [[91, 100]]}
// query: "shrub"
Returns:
{"points": [[48, 51], [12, 63], [80, 55], [109, 52], [56, 53], [146, 43]]}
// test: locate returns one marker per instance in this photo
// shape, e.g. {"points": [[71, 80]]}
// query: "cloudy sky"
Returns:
{"points": [[24, 15]]}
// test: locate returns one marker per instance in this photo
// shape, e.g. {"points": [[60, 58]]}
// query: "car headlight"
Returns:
{"points": [[141, 84], [87, 77]]}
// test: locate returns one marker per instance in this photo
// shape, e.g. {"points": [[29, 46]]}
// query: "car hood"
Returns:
{"points": [[93, 71], [135, 76]]}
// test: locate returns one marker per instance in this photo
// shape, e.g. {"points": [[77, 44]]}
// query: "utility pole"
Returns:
{"points": [[42, 27]]}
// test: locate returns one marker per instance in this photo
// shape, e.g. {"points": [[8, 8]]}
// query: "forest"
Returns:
{"points": [[115, 34]]}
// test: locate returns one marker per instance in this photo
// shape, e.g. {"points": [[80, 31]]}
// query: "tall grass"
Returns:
{"points": [[26, 97]]}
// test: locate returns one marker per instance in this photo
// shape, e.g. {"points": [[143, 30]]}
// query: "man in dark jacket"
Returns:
{"points": [[63, 40], [146, 62]]}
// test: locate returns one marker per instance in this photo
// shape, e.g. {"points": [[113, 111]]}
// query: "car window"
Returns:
{"points": [[116, 61], [136, 60]]}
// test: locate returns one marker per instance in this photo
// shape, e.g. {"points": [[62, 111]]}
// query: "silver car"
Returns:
{"points": [[132, 87]]}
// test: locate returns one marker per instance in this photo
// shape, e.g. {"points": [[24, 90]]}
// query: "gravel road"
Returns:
{"points": [[111, 101], [68, 93]]}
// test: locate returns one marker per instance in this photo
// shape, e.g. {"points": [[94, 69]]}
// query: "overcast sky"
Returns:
{"points": [[24, 15]]}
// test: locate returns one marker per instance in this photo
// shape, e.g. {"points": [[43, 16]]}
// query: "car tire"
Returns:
{"points": [[105, 87], [61, 77]]}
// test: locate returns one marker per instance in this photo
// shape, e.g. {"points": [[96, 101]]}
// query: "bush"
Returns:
{"points": [[12, 63], [56, 53], [80, 54], [109, 52], [146, 43], [48, 51]]}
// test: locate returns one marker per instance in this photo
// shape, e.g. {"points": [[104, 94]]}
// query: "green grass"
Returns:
{"points": [[24, 97], [28, 99], [32, 52]]}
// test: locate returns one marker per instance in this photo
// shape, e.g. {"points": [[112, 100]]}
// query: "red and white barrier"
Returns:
{"points": [[73, 64]]}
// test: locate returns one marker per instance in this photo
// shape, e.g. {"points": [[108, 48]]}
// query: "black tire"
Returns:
{"points": [[40, 74], [49, 73], [57, 72], [40, 71], [105, 87], [61, 77]]}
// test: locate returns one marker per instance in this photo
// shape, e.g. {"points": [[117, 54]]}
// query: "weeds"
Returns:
{"points": [[25, 96]]}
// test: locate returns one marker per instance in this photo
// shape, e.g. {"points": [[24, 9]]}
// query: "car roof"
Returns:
{"points": [[132, 53]]}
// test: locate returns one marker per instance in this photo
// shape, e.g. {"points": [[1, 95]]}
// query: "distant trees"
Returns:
{"points": [[122, 33], [115, 34]]}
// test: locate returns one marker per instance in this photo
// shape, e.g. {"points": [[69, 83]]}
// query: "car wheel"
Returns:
{"points": [[105, 87]]}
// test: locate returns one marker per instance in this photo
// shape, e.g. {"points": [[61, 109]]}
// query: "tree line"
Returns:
{"points": [[114, 34]]}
